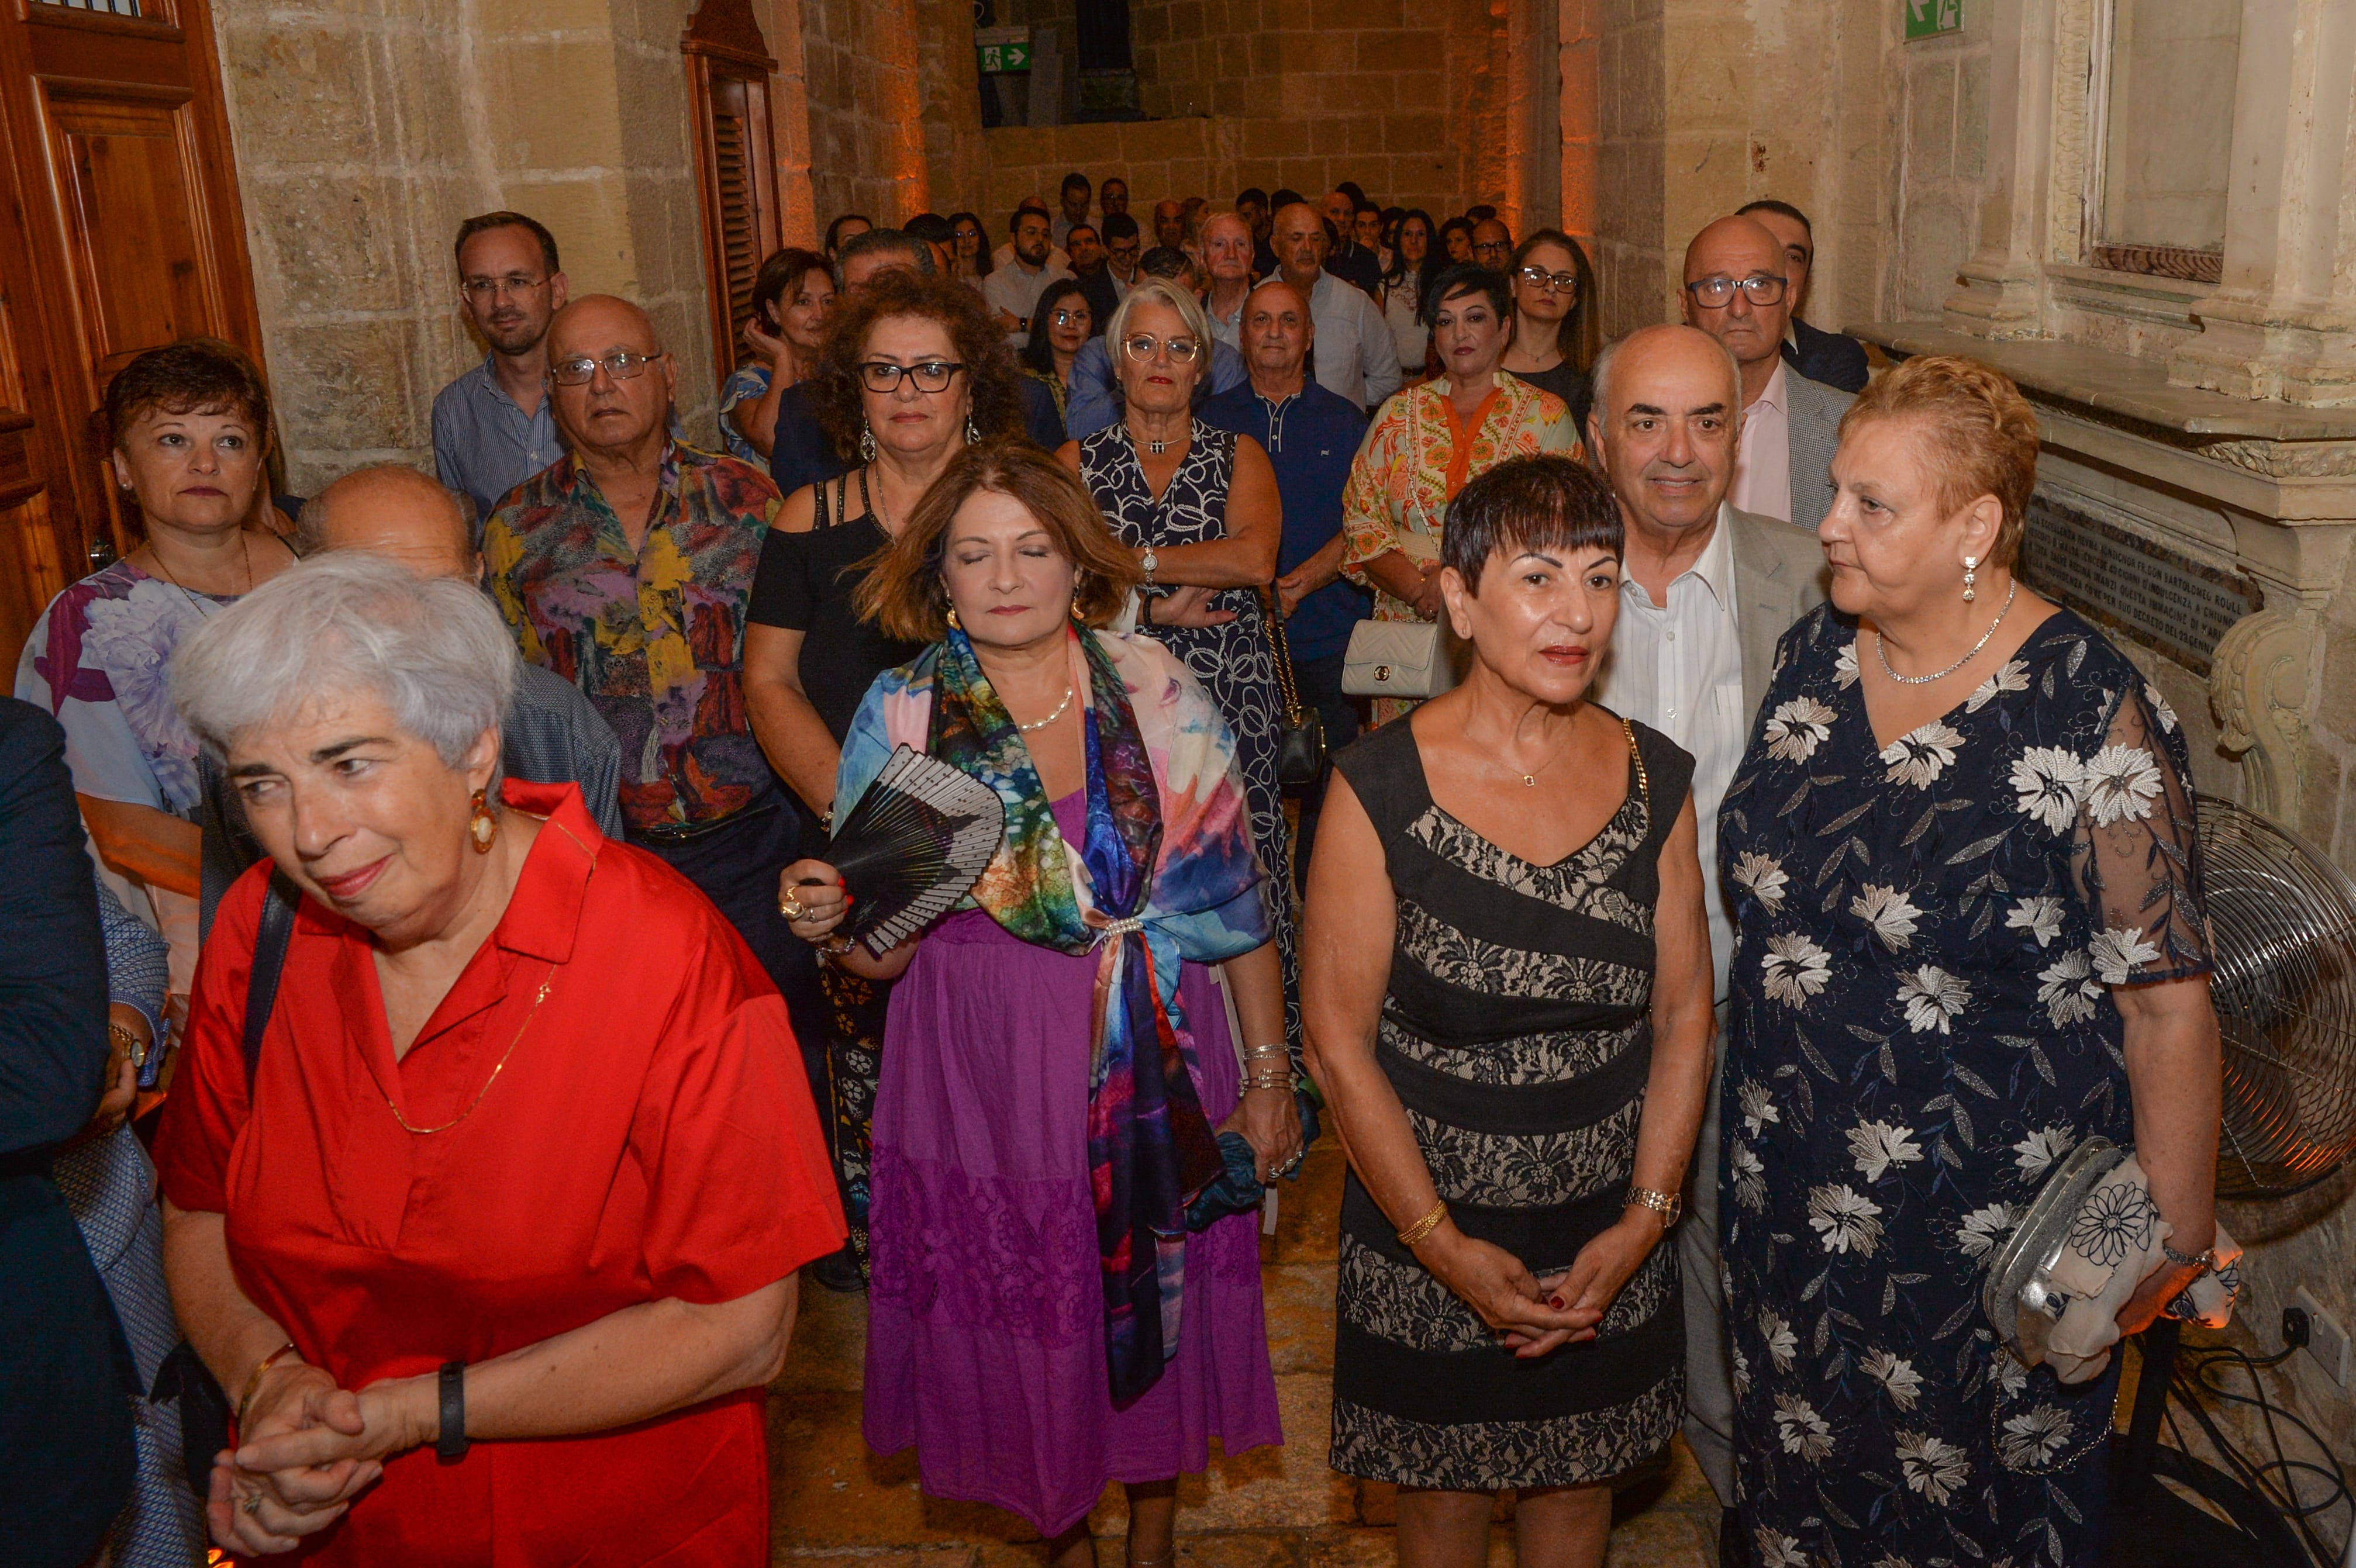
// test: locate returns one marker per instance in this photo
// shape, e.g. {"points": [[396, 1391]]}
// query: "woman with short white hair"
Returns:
{"points": [[1199, 506], [509, 1144]]}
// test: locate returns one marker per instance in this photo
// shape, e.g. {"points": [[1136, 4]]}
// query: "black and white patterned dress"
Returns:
{"points": [[1236, 663], [1517, 1034]]}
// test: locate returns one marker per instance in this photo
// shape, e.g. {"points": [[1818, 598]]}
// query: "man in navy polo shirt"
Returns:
{"points": [[1311, 435]]}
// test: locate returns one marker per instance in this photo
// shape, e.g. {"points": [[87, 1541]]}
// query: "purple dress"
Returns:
{"points": [[985, 1322]]}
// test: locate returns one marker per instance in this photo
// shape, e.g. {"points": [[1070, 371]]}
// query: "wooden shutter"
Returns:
{"points": [[728, 67]]}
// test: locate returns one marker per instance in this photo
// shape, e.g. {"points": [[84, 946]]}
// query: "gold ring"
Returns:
{"points": [[791, 908]]}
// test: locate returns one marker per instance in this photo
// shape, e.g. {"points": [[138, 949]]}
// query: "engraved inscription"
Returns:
{"points": [[2159, 597]]}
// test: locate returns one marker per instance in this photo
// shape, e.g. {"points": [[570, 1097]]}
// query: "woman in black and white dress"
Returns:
{"points": [[1508, 995], [1200, 508]]}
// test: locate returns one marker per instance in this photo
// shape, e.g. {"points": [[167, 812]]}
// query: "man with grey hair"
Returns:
{"points": [[1706, 591]]}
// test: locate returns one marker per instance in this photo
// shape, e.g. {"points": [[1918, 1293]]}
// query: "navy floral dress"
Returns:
{"points": [[1921, 1026]]}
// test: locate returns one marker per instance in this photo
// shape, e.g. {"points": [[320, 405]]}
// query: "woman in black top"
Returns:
{"points": [[1507, 988], [910, 372], [1552, 285]]}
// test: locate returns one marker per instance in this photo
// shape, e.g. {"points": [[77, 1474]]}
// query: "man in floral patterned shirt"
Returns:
{"points": [[624, 567]]}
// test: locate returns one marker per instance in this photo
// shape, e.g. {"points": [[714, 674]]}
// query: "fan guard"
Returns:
{"points": [[2282, 917]]}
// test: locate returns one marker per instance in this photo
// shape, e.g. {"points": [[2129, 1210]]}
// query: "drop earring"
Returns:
{"points": [[972, 434], [866, 442], [1971, 576], [482, 827], [955, 625]]}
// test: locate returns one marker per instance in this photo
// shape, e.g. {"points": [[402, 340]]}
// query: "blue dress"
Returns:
{"points": [[1921, 1026]]}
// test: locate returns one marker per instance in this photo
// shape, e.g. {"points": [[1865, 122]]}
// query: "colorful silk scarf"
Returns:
{"points": [[1150, 1146]]}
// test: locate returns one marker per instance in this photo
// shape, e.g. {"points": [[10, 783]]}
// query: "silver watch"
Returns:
{"points": [[1152, 563]]}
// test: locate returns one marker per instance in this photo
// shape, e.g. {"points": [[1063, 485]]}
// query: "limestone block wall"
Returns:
{"points": [[866, 103], [365, 132]]}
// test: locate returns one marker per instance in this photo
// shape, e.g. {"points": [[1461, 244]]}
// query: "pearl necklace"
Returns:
{"points": [[1881, 653], [1037, 724]]}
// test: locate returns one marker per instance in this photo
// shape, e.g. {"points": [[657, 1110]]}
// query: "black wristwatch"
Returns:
{"points": [[450, 1444]]}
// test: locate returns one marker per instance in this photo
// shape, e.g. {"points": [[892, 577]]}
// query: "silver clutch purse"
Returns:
{"points": [[2018, 1295]]}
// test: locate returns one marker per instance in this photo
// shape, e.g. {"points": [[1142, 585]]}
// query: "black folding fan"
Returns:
{"points": [[913, 846]]}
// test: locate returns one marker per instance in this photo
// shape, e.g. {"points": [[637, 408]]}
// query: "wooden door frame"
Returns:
{"points": [[722, 38], [172, 54]]}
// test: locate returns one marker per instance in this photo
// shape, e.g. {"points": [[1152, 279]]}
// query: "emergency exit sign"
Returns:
{"points": [[1929, 18], [1002, 48]]}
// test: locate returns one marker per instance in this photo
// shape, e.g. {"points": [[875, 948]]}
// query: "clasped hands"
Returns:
{"points": [[1535, 1317], [307, 1449]]}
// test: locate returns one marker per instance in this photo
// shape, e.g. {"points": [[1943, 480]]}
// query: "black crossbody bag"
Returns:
{"points": [[205, 1408]]}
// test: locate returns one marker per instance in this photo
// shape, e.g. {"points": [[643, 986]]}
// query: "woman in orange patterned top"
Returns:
{"points": [[1429, 440]]}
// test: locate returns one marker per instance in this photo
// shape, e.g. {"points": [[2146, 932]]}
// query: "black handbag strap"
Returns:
{"points": [[269, 960]]}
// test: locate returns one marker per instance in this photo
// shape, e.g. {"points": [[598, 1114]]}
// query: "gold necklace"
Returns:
{"points": [[424, 1131]]}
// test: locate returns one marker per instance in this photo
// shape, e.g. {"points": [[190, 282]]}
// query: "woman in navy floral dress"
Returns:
{"points": [[1962, 951]]}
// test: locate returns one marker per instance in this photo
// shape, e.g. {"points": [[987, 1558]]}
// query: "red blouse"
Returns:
{"points": [[651, 1137]]}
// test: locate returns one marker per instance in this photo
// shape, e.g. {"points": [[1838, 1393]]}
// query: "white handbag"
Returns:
{"points": [[1398, 658]]}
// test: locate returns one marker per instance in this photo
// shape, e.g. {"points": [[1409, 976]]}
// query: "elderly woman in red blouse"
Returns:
{"points": [[494, 1247]]}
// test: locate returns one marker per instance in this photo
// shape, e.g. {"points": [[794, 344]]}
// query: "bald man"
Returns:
{"points": [[1706, 591], [551, 735], [625, 567], [1310, 434], [1738, 288]]}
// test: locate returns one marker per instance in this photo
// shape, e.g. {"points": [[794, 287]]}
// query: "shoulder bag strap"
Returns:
{"points": [[269, 960], [1282, 647]]}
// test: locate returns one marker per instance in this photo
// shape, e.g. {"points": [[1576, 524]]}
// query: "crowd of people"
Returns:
{"points": [[1701, 980]]}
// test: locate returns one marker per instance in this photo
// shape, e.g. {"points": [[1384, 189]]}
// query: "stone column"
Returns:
{"points": [[2003, 287]]}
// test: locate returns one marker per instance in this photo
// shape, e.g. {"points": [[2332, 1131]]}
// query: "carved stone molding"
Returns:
{"points": [[2257, 687]]}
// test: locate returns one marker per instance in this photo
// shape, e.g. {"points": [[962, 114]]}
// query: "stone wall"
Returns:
{"points": [[365, 133], [866, 105]]}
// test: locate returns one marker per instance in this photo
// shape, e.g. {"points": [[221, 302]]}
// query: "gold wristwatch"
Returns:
{"points": [[1668, 1205]]}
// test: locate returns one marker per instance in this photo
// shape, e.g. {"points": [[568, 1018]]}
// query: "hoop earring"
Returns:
{"points": [[866, 441], [1971, 575], [482, 827]]}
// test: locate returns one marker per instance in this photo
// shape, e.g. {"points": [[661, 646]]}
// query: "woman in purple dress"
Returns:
{"points": [[1042, 1318]]}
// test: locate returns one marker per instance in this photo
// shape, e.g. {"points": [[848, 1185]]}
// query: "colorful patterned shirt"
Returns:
{"points": [[654, 637], [1411, 468]]}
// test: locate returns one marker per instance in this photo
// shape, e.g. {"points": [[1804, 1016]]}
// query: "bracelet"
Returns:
{"points": [[135, 1053], [1282, 1080], [1261, 1053], [450, 1437], [1414, 1234], [253, 1381], [2205, 1261]]}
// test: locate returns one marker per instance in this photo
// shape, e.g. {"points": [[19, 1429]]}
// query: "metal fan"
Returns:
{"points": [[2282, 926], [2282, 917]]}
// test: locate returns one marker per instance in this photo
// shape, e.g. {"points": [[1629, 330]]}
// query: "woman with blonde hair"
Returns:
{"points": [[2000, 955], [1045, 1314]]}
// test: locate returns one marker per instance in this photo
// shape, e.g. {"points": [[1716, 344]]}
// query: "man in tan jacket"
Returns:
{"points": [[1706, 591]]}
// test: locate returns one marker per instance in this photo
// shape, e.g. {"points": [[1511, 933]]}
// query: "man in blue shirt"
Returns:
{"points": [[492, 426], [1311, 435]]}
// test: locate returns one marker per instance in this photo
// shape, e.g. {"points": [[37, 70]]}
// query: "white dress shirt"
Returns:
{"points": [[1678, 668], [1762, 463], [1015, 289], [1355, 354]]}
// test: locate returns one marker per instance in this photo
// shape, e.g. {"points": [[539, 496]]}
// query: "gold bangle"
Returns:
{"points": [[253, 1382], [1414, 1234]]}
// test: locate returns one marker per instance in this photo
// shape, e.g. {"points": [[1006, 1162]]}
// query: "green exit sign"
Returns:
{"points": [[1002, 48], [1929, 18]]}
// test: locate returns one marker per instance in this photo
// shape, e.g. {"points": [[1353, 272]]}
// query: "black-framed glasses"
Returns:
{"points": [[1563, 283], [622, 365], [1717, 294], [929, 375], [1492, 247], [1143, 347], [481, 291]]}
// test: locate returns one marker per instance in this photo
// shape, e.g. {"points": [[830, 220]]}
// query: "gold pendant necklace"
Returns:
{"points": [[427, 1132]]}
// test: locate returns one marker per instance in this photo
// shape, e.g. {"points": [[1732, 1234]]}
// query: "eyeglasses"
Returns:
{"points": [[882, 375], [1557, 282], [622, 365], [1143, 347], [1717, 294], [1067, 317], [1492, 247], [479, 291]]}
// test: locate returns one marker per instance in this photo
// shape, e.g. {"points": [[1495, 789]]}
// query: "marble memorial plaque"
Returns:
{"points": [[2133, 585]]}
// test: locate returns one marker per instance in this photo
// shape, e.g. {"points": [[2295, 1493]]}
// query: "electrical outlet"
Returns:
{"points": [[2327, 1342]]}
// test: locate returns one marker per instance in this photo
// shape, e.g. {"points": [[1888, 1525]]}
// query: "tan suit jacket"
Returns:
{"points": [[1779, 576]]}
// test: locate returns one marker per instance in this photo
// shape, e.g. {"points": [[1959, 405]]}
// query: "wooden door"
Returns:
{"points": [[115, 167], [728, 67]]}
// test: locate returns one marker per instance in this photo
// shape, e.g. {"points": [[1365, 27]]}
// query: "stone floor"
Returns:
{"points": [[835, 1505]]}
